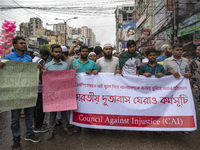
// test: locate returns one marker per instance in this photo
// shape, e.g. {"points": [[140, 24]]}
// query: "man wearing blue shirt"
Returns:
{"points": [[57, 64], [166, 52], [20, 55], [83, 64]]}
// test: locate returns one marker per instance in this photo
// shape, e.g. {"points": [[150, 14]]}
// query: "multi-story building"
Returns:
{"points": [[29, 29], [34, 33], [123, 15], [76, 32], [144, 22], [187, 19]]}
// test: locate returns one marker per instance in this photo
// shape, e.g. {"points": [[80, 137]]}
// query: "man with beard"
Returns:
{"points": [[65, 56], [129, 61], [108, 63], [83, 64], [57, 64], [51, 55], [166, 52], [152, 68]]}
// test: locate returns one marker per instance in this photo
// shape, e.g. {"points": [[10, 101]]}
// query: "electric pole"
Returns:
{"points": [[176, 22]]}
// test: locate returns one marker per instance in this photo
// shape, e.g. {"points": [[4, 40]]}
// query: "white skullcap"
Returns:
{"points": [[107, 44], [113, 52], [64, 48], [164, 47], [91, 53], [36, 53]]}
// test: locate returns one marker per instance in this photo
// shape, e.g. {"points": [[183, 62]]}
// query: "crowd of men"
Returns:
{"points": [[92, 61]]}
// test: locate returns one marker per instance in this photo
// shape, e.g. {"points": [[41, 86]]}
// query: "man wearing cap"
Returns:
{"points": [[108, 63], [65, 55], [166, 52], [115, 53]]}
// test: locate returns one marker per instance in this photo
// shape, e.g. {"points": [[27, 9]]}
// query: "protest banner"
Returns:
{"points": [[107, 101], [59, 90], [18, 85]]}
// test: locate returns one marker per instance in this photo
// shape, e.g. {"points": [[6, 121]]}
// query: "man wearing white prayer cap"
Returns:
{"points": [[166, 52], [115, 53], [108, 63]]}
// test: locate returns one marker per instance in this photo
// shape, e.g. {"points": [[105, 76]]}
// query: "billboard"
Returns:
{"points": [[128, 30]]}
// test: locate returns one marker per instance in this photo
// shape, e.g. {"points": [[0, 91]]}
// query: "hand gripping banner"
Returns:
{"points": [[107, 101]]}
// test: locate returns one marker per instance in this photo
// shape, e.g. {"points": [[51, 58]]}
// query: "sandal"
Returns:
{"points": [[143, 132], [186, 132], [158, 132]]}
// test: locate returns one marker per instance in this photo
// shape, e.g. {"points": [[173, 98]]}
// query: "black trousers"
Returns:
{"points": [[38, 112]]}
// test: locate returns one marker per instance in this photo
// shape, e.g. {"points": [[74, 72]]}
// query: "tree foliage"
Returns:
{"points": [[47, 46]]}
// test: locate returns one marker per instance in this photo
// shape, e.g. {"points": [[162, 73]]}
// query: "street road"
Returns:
{"points": [[87, 139]]}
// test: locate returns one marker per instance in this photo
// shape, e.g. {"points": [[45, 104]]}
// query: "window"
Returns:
{"points": [[131, 8], [130, 16], [124, 16], [125, 8]]}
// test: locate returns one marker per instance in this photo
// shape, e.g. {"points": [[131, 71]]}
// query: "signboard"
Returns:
{"points": [[169, 5], [196, 37], [169, 31], [160, 25], [59, 90], [31, 42], [152, 46], [141, 20], [124, 44], [161, 37], [18, 85], [159, 44], [108, 101], [191, 20], [190, 29], [128, 30], [134, 16], [146, 31]]}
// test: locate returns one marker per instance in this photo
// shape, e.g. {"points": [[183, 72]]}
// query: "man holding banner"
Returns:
{"points": [[20, 55], [57, 64], [129, 62], [83, 64], [177, 65]]}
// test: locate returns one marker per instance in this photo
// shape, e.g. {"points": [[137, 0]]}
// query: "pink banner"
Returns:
{"points": [[59, 90]]}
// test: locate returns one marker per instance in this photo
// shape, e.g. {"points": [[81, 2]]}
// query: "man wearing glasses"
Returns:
{"points": [[19, 54], [195, 78]]}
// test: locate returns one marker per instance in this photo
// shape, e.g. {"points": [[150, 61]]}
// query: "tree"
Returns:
{"points": [[47, 46]]}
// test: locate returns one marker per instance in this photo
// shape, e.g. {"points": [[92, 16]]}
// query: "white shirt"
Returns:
{"points": [[108, 65]]}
